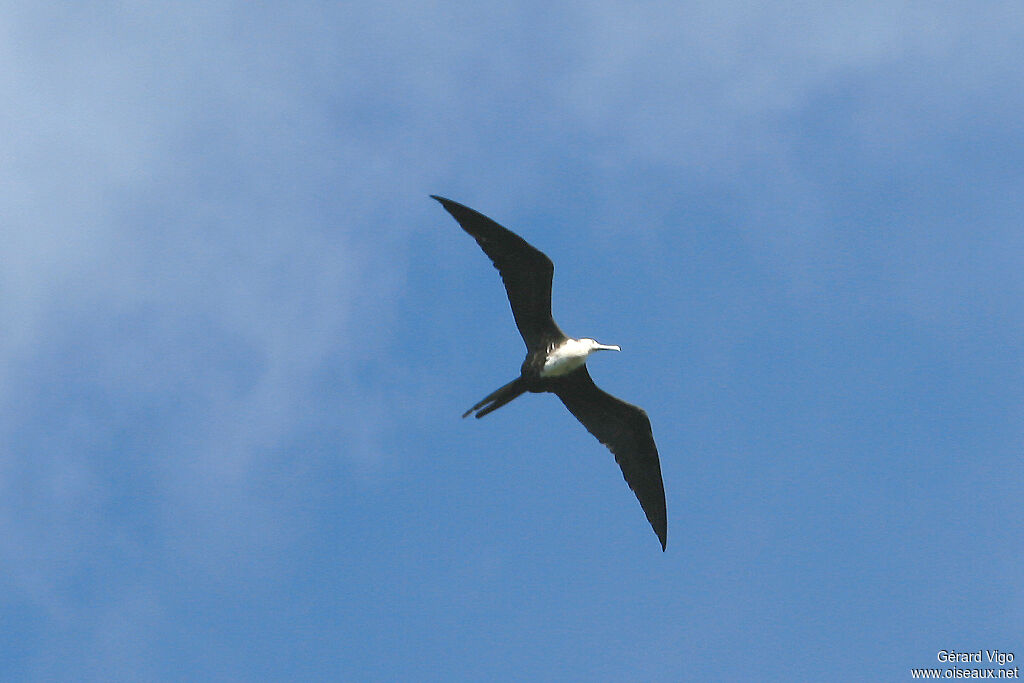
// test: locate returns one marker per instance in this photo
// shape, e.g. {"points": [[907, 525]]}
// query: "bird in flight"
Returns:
{"points": [[556, 363]]}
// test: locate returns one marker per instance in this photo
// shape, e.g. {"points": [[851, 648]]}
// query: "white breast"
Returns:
{"points": [[565, 358]]}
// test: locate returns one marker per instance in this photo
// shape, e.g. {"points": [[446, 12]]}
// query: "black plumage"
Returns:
{"points": [[624, 428]]}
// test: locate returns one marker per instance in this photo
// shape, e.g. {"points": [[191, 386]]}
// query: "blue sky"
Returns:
{"points": [[238, 338]]}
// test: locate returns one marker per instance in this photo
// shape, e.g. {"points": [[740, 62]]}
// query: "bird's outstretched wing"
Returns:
{"points": [[626, 430], [525, 270]]}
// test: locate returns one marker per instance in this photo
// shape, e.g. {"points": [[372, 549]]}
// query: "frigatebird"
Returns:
{"points": [[556, 363]]}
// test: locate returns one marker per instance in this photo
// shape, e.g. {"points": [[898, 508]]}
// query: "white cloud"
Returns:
{"points": [[180, 263], [207, 207]]}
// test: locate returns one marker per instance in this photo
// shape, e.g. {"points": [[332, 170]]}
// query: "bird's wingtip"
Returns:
{"points": [[662, 534], [446, 203]]}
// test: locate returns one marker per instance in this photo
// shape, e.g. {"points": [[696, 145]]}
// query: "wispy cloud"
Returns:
{"points": [[183, 256], [210, 210]]}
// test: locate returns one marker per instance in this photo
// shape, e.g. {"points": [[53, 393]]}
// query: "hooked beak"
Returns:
{"points": [[606, 347]]}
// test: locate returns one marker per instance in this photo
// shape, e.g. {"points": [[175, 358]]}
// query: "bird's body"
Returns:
{"points": [[556, 363]]}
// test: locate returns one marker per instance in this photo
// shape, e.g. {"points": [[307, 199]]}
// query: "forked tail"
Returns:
{"points": [[497, 399]]}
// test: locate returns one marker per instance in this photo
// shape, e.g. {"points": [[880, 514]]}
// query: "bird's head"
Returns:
{"points": [[592, 345]]}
